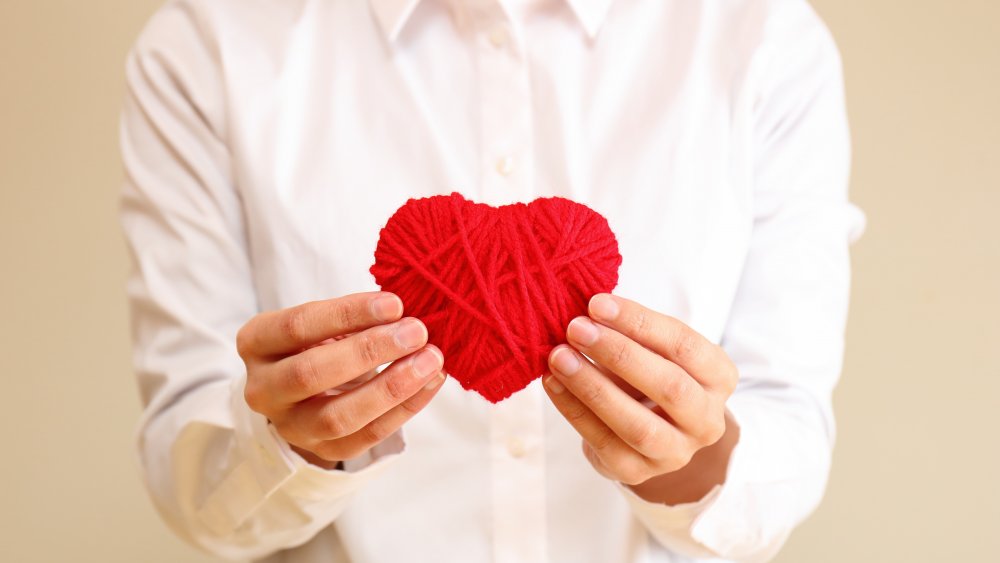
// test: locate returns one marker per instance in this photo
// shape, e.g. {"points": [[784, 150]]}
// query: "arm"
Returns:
{"points": [[740, 497], [219, 472]]}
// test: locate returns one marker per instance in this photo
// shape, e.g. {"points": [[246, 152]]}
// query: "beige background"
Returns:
{"points": [[914, 477]]}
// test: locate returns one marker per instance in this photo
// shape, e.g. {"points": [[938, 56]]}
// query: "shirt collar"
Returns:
{"points": [[392, 15]]}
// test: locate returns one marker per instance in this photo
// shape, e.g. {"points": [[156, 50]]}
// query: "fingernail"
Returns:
{"points": [[604, 306], [553, 384], [565, 361], [434, 383], [386, 307], [426, 362], [582, 330], [410, 333]]}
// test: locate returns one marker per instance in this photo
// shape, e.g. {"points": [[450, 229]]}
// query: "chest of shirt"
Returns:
{"points": [[334, 128]]}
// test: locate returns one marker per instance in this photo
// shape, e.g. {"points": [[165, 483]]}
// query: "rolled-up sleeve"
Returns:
{"points": [[218, 473], [786, 326]]}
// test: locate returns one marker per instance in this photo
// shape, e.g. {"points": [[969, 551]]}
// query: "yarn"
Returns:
{"points": [[496, 286]]}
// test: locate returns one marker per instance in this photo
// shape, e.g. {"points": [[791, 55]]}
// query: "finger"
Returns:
{"points": [[317, 369], [330, 418], [667, 336], [635, 424], [680, 396], [617, 380], [352, 384], [376, 431], [618, 460], [291, 330], [596, 461]]}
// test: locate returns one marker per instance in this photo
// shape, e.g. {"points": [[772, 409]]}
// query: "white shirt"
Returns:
{"points": [[266, 142]]}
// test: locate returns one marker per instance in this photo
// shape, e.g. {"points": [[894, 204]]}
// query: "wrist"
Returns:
{"points": [[318, 461], [707, 468]]}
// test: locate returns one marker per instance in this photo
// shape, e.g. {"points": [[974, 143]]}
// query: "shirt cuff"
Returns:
{"points": [[311, 482], [673, 525], [693, 528], [266, 463], [743, 518], [277, 465]]}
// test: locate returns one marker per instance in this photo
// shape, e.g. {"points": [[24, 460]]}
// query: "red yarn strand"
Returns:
{"points": [[495, 286]]}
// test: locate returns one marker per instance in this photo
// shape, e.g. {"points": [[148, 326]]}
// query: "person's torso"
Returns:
{"points": [[333, 125]]}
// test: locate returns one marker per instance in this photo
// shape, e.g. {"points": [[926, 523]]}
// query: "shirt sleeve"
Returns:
{"points": [[217, 472], [786, 327]]}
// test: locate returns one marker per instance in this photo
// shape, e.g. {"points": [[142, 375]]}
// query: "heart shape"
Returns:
{"points": [[496, 286]]}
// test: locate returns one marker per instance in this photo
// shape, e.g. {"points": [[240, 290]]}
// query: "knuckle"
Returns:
{"points": [[678, 459], [253, 396], [592, 394], [712, 432], [621, 353], [302, 375], [329, 451], [731, 378], [412, 406], [645, 437], [351, 451], [588, 452], [685, 457], [576, 414], [293, 326], [368, 349], [641, 323], [293, 431], [333, 425], [244, 341], [675, 390], [344, 314], [602, 440], [688, 347], [375, 431], [395, 388], [630, 473], [636, 477], [596, 462]]}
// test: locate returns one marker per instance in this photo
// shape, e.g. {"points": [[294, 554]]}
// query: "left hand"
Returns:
{"points": [[654, 396]]}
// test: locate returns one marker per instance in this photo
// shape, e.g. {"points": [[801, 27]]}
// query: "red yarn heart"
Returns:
{"points": [[496, 286]]}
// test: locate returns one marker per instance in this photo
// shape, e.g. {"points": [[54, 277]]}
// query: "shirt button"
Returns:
{"points": [[515, 447], [505, 166], [498, 37]]}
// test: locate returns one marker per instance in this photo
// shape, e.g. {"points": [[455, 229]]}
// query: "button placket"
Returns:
{"points": [[518, 476], [506, 175], [506, 121]]}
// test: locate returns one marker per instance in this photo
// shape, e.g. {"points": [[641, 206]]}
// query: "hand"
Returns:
{"points": [[296, 359], [654, 396]]}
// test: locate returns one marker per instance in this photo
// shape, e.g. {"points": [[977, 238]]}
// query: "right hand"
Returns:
{"points": [[296, 358]]}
